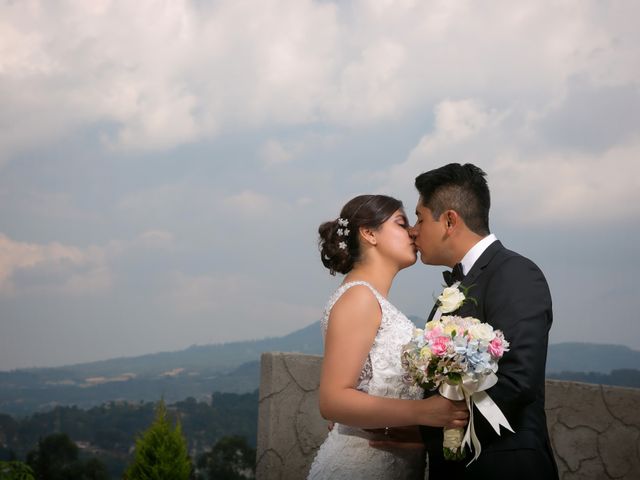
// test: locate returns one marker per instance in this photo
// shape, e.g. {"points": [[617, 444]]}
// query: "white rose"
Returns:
{"points": [[451, 299], [482, 331], [431, 324], [453, 438]]}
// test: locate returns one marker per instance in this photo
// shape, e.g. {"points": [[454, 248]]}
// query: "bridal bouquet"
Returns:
{"points": [[458, 356]]}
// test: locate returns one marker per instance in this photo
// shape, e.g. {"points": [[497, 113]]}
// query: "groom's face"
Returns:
{"points": [[428, 235]]}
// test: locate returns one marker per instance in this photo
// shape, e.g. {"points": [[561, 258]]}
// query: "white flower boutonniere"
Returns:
{"points": [[451, 299]]}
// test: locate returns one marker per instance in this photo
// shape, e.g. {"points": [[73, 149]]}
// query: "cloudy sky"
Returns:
{"points": [[164, 164]]}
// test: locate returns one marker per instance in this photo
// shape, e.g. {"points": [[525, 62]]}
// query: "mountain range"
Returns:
{"points": [[233, 367]]}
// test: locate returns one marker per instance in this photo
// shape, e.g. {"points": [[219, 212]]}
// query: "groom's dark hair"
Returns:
{"points": [[462, 188]]}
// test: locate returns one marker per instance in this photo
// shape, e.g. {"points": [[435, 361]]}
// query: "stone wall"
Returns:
{"points": [[595, 429]]}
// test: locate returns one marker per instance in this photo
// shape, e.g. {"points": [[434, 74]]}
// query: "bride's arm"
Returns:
{"points": [[351, 330]]}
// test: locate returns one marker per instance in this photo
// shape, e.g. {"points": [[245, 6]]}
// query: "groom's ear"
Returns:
{"points": [[451, 220]]}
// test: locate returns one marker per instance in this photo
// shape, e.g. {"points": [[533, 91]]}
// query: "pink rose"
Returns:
{"points": [[431, 335], [496, 349], [439, 346]]}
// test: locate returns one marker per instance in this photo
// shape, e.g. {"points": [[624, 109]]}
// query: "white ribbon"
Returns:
{"points": [[472, 391]]}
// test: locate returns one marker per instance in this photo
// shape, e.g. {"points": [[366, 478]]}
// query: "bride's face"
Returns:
{"points": [[394, 241]]}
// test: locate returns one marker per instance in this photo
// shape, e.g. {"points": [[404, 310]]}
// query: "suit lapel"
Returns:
{"points": [[470, 278], [481, 264]]}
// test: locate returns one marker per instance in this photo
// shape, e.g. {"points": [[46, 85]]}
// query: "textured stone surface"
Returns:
{"points": [[589, 469], [575, 402], [617, 447], [290, 428], [300, 367], [272, 380], [594, 429], [310, 426], [270, 465], [623, 404], [574, 445]]}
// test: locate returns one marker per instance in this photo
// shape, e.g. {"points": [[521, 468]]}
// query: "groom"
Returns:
{"points": [[512, 295]]}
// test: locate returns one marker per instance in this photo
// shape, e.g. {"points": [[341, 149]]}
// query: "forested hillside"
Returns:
{"points": [[108, 431]]}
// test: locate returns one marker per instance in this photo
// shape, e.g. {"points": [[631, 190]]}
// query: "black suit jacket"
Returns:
{"points": [[512, 295]]}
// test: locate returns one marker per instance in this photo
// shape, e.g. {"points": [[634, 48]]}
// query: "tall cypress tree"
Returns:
{"points": [[161, 452]]}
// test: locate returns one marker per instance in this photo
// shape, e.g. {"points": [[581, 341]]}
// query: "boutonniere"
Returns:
{"points": [[453, 297]]}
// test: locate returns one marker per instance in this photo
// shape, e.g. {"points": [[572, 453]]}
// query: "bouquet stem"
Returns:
{"points": [[452, 444]]}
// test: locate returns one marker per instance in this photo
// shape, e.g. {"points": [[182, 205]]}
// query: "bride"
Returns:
{"points": [[361, 387]]}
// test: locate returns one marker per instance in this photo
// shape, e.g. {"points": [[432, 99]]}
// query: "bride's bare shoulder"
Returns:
{"points": [[357, 304]]}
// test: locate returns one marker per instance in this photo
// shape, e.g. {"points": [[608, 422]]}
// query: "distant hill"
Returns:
{"points": [[591, 357], [623, 377], [212, 358], [197, 372], [233, 367]]}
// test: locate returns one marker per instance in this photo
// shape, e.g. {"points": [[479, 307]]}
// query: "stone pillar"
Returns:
{"points": [[290, 428]]}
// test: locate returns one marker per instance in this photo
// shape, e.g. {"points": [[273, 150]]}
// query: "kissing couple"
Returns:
{"points": [[382, 424]]}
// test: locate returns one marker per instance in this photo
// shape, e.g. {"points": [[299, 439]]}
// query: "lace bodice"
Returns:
{"points": [[382, 372]]}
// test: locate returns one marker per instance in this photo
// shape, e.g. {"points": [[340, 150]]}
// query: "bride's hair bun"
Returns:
{"points": [[339, 239], [335, 258]]}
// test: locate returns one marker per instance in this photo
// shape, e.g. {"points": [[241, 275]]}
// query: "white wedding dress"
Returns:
{"points": [[346, 454]]}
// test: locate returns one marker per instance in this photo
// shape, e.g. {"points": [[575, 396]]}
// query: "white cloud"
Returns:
{"points": [[163, 82], [530, 183], [372, 85], [168, 203], [32, 268], [541, 95], [461, 127], [456, 122], [156, 239], [198, 294], [197, 68], [215, 301], [274, 153], [568, 188], [249, 202], [29, 267]]}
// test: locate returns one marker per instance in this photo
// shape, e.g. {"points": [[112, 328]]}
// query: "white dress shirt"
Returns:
{"points": [[474, 253]]}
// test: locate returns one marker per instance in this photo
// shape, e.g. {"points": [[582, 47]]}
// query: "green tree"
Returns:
{"points": [[15, 470], [94, 469], [230, 459], [54, 458], [57, 458], [161, 451]]}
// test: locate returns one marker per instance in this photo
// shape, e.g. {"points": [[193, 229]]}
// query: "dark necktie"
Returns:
{"points": [[455, 275]]}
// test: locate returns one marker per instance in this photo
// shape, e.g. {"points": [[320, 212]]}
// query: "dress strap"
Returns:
{"points": [[343, 288]]}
